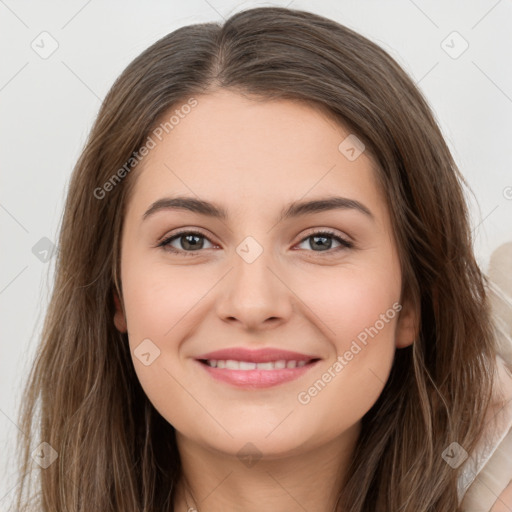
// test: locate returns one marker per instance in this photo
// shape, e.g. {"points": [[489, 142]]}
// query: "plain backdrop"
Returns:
{"points": [[59, 59]]}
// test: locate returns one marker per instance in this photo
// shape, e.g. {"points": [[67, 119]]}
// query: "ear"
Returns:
{"points": [[119, 315], [407, 329]]}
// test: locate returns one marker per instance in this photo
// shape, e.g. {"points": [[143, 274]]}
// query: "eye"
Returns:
{"points": [[322, 240], [192, 242]]}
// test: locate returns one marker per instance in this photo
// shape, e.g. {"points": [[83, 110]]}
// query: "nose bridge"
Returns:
{"points": [[252, 291], [251, 275]]}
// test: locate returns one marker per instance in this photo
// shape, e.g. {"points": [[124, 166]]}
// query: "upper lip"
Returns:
{"points": [[263, 355]]}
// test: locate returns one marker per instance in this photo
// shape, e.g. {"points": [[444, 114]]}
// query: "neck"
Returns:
{"points": [[216, 482]]}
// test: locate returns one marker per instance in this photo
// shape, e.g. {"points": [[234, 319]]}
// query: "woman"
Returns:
{"points": [[201, 352]]}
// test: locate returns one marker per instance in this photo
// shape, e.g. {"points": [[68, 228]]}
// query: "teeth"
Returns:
{"points": [[231, 364], [244, 365]]}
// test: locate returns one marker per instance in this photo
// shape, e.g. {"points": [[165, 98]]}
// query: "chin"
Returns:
{"points": [[255, 441]]}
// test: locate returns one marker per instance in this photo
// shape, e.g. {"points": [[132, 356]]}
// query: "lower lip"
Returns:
{"points": [[257, 378]]}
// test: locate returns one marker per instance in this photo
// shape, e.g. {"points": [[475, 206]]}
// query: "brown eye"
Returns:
{"points": [[188, 241], [321, 241]]}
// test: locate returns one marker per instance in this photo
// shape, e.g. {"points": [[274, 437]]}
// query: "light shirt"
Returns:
{"points": [[488, 471]]}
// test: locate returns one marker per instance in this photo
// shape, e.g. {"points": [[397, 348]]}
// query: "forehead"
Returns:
{"points": [[225, 124], [230, 148]]}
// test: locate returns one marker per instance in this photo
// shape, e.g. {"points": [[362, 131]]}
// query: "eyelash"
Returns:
{"points": [[345, 244]]}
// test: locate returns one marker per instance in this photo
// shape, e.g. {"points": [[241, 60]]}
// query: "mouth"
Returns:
{"points": [[256, 368], [232, 364]]}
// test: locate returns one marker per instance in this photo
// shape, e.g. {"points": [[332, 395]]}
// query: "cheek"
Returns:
{"points": [[361, 306], [158, 297], [359, 311], [347, 302], [161, 304]]}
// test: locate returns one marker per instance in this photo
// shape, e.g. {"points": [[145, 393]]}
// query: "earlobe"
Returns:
{"points": [[119, 315], [407, 327]]}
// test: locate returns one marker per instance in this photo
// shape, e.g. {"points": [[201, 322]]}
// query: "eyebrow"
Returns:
{"points": [[295, 209]]}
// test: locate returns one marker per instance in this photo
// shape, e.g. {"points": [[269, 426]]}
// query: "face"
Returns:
{"points": [[304, 308]]}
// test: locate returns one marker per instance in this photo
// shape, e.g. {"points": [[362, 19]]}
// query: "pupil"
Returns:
{"points": [[323, 238], [193, 245]]}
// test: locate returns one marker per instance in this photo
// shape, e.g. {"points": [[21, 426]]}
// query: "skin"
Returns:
{"points": [[253, 158]]}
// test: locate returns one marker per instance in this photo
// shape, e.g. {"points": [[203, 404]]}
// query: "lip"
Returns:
{"points": [[256, 379], [263, 355]]}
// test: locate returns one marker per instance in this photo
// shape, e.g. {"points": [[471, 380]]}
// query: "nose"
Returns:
{"points": [[254, 293]]}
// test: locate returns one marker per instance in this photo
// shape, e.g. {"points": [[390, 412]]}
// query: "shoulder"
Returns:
{"points": [[486, 481]]}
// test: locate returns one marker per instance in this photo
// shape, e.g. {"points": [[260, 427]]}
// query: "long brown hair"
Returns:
{"points": [[115, 452]]}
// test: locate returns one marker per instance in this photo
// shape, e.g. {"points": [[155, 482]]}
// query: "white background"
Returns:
{"points": [[47, 107]]}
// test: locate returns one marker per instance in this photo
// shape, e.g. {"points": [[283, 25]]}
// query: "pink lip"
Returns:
{"points": [[256, 378], [263, 355]]}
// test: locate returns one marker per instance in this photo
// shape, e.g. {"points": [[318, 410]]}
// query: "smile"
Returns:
{"points": [[231, 364], [261, 368]]}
